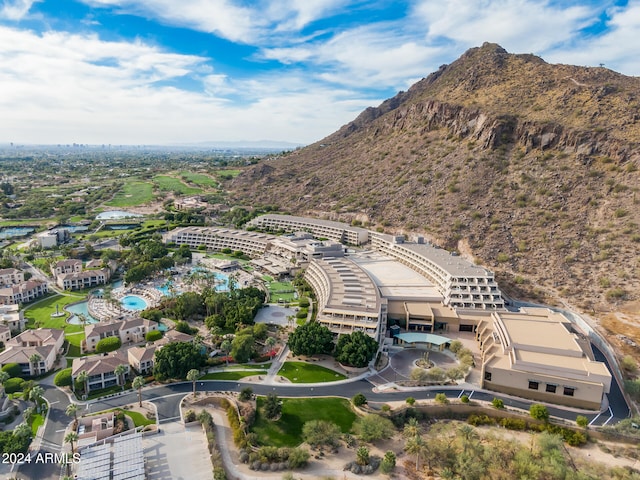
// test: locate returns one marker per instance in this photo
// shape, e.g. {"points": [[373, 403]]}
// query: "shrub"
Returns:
{"points": [[63, 378], [13, 369], [304, 302], [455, 346], [359, 400], [513, 423], [464, 399], [582, 421], [497, 403], [245, 394], [441, 398], [410, 401], [153, 335], [13, 385], [539, 412], [190, 416], [108, 344]]}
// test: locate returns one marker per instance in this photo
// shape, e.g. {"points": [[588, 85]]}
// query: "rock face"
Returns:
{"points": [[532, 167]]}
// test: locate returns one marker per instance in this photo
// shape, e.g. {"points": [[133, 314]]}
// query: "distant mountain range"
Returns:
{"points": [[527, 167]]}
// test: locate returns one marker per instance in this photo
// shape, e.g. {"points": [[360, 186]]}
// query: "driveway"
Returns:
{"points": [[178, 452]]}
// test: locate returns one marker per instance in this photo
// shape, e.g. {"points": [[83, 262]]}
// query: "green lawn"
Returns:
{"points": [[284, 291], [229, 173], [133, 192], [301, 372], [223, 256], [39, 313], [35, 422], [139, 420], [287, 431], [170, 184], [229, 375], [199, 179]]}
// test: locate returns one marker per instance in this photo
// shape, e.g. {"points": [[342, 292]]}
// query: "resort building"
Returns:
{"points": [[537, 354], [217, 239], [5, 334], [12, 317], [461, 283], [132, 330], [23, 292], [63, 267], [34, 350], [141, 358], [101, 369], [347, 298], [337, 231], [52, 238], [71, 275], [11, 276]]}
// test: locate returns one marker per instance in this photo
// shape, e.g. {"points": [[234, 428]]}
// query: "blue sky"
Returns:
{"points": [[187, 71]]}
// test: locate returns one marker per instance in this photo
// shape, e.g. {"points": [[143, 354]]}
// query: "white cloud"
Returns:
{"points": [[518, 25], [62, 88], [15, 9], [617, 47]]}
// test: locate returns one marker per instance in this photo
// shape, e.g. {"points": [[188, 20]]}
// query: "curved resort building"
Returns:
{"points": [[347, 298], [217, 239], [337, 231]]}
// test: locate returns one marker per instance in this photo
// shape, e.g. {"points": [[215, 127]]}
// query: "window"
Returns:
{"points": [[533, 385], [551, 388], [487, 376], [568, 391]]}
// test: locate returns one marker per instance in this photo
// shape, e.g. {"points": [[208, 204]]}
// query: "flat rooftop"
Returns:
{"points": [[395, 280], [351, 289]]}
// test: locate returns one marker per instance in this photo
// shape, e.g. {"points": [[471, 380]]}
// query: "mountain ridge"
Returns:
{"points": [[528, 167]]}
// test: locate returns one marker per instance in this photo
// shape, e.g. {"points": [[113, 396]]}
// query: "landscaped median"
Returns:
{"points": [[302, 372]]}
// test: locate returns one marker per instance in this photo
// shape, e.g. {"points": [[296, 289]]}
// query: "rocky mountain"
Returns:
{"points": [[527, 167]]}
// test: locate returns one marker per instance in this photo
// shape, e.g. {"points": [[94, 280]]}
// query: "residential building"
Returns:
{"points": [[141, 358], [46, 343], [11, 276], [12, 317], [132, 330], [23, 292], [63, 267], [101, 369]]}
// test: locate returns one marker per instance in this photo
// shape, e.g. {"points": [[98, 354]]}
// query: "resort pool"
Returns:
{"points": [[133, 302], [8, 232], [79, 309]]}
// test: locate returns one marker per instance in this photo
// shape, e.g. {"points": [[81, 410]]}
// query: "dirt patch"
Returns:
{"points": [[623, 327]]}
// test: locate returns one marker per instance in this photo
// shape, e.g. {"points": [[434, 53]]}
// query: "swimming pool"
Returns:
{"points": [[133, 302], [8, 232], [116, 214], [79, 309]]}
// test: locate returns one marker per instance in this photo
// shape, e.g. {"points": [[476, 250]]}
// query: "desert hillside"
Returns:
{"points": [[527, 167]]}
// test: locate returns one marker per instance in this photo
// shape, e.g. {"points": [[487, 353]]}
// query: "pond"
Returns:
{"points": [[79, 309], [115, 214]]}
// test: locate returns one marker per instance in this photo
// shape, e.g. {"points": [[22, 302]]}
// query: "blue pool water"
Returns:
{"points": [[79, 308], [133, 302], [8, 232]]}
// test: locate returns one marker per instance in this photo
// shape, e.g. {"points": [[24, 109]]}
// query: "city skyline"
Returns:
{"points": [[162, 72]]}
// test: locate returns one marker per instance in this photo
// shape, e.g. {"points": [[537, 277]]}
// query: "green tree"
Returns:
{"points": [[311, 339], [372, 428], [362, 456], [176, 359], [359, 400], [35, 395], [225, 346], [412, 428], [415, 446], [318, 433], [388, 463], [582, 421], [242, 348], [71, 438], [272, 406], [63, 378], [72, 410], [83, 379], [120, 370], [34, 360], [153, 335], [245, 394], [13, 369], [192, 376], [356, 349], [108, 344], [539, 412], [4, 376], [138, 383]]}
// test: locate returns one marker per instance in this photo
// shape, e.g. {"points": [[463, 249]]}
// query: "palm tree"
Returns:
{"points": [[27, 414], [72, 411], [71, 437], [35, 360], [192, 376], [35, 395], [83, 378], [138, 383], [412, 428], [225, 346], [271, 342], [120, 370], [415, 446]]}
